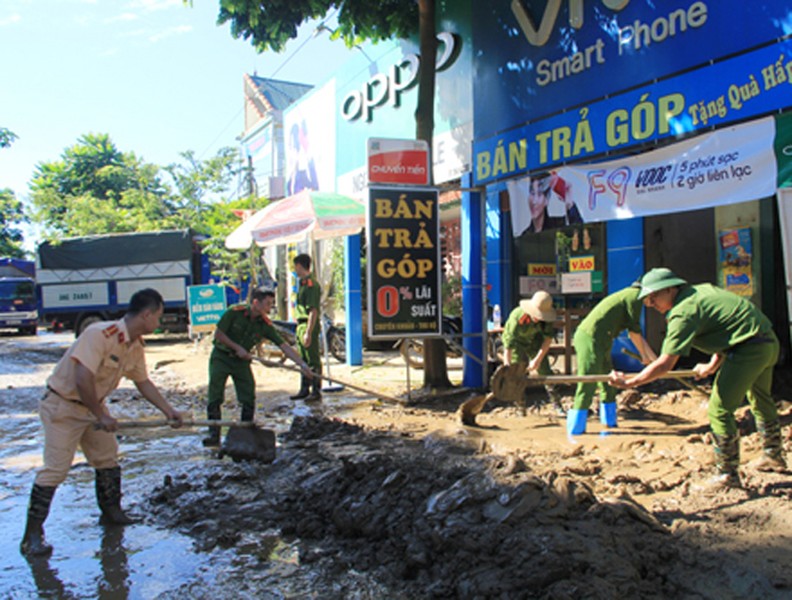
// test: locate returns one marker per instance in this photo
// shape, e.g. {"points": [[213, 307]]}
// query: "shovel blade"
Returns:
{"points": [[249, 443]]}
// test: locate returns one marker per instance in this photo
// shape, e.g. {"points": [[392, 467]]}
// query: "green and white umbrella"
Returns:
{"points": [[308, 215]]}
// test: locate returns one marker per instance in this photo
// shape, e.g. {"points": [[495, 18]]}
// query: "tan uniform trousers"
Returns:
{"points": [[67, 426]]}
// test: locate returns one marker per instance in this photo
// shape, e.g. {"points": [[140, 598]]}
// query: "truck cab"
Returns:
{"points": [[18, 305]]}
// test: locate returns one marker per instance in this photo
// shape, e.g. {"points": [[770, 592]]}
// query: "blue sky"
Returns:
{"points": [[159, 77]]}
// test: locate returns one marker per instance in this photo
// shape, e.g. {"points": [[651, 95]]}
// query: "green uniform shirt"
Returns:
{"points": [[615, 313], [524, 335], [308, 296], [711, 320], [244, 329]]}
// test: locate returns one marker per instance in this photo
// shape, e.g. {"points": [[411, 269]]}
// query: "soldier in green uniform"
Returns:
{"points": [[307, 315], [744, 350], [527, 336], [593, 342], [240, 329]]}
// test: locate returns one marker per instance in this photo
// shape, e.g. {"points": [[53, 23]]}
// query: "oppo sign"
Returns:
{"points": [[387, 88]]}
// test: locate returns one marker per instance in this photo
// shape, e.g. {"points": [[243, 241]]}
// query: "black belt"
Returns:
{"points": [[62, 397], [301, 321], [757, 339]]}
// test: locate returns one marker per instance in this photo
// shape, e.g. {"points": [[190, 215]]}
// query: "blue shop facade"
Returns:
{"points": [[578, 143]]}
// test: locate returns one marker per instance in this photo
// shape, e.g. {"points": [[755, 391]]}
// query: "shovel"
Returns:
{"points": [[244, 440], [268, 363], [508, 384]]}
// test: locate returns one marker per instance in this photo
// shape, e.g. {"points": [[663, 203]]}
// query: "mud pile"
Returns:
{"points": [[434, 519]]}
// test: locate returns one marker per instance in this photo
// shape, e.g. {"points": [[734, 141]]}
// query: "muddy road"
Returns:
{"points": [[368, 500]]}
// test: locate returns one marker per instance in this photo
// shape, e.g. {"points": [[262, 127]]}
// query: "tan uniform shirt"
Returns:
{"points": [[105, 350]]}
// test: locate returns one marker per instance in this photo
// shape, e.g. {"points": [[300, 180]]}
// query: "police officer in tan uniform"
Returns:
{"points": [[74, 413]]}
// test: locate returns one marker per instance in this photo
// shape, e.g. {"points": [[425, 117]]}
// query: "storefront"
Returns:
{"points": [[615, 137], [374, 96]]}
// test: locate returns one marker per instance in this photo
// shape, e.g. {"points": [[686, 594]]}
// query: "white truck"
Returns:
{"points": [[88, 279]]}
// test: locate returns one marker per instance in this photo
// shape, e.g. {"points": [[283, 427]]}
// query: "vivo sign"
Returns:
{"points": [[385, 88], [539, 37]]}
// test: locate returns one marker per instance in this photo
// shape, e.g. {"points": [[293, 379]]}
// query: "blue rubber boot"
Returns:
{"points": [[608, 414], [576, 421]]}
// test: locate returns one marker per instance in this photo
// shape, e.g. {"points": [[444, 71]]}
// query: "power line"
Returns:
{"points": [[275, 72]]}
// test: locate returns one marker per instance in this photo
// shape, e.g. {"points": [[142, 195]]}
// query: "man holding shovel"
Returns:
{"points": [[74, 414], [593, 342], [240, 329], [307, 315], [744, 351]]}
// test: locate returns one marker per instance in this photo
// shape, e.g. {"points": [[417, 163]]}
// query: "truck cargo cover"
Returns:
{"points": [[116, 249]]}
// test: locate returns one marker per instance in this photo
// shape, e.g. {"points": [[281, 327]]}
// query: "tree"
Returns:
{"points": [[7, 137], [220, 220], [95, 188], [196, 181], [269, 24], [11, 214]]}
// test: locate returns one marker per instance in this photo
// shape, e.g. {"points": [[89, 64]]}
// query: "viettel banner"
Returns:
{"points": [[783, 149], [735, 164]]}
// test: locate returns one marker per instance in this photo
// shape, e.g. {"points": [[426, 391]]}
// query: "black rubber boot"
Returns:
{"points": [[316, 390], [213, 433], [247, 413], [108, 496], [33, 543], [305, 383]]}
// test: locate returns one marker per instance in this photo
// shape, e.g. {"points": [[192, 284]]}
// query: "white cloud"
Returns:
{"points": [[170, 32], [127, 16], [152, 5], [10, 20]]}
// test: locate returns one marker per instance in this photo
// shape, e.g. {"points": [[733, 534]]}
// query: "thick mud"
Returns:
{"points": [[433, 518]]}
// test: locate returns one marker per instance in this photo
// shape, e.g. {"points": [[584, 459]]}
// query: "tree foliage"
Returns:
{"points": [[7, 137], [269, 24], [195, 182], [219, 221], [11, 215], [96, 188]]}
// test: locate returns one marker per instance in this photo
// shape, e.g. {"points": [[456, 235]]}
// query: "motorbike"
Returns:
{"points": [[412, 349], [335, 336]]}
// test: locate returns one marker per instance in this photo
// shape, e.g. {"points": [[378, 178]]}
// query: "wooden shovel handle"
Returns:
{"points": [[381, 396], [551, 379], [185, 423]]}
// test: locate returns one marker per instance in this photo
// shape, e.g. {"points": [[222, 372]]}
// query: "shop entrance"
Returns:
{"points": [[686, 244]]}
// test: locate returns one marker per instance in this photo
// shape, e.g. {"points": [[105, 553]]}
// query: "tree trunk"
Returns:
{"points": [[435, 366]]}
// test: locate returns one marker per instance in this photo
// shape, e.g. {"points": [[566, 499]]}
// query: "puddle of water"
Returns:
{"points": [[139, 561]]}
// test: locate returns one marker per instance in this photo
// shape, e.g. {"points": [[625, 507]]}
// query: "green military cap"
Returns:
{"points": [[658, 279]]}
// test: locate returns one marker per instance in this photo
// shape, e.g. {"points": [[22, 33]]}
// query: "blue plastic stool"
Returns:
{"points": [[576, 421], [608, 414]]}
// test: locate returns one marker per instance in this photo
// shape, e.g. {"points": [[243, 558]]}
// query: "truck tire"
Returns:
{"points": [[85, 322], [32, 330]]}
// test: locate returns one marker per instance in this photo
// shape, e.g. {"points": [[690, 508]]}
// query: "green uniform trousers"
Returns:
{"points": [[592, 359], [747, 370], [310, 354], [525, 354], [221, 366]]}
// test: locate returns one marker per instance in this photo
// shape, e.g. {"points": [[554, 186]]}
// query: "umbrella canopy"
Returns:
{"points": [[320, 215], [241, 238]]}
